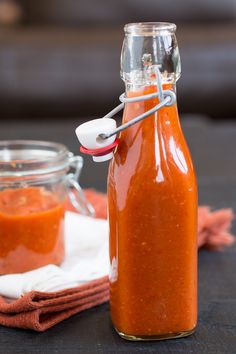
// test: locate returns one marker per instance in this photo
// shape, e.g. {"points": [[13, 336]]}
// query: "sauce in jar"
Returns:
{"points": [[31, 229], [37, 179]]}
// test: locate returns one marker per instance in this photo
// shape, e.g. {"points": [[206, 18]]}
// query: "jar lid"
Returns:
{"points": [[27, 158]]}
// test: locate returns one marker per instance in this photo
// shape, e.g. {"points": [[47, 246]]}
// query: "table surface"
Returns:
{"points": [[213, 148]]}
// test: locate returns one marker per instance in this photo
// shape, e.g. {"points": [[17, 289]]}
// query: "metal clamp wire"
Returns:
{"points": [[166, 97]]}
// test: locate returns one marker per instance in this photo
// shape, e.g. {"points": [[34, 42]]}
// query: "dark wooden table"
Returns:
{"points": [[213, 148]]}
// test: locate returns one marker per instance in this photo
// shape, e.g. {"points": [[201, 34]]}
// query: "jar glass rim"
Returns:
{"points": [[19, 158], [150, 28]]}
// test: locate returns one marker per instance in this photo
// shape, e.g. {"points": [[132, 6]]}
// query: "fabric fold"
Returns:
{"points": [[40, 311]]}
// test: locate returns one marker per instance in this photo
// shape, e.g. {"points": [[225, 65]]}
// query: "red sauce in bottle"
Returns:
{"points": [[153, 215]]}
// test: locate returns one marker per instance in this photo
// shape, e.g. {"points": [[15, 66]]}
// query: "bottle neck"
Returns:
{"points": [[134, 88], [148, 48], [141, 106]]}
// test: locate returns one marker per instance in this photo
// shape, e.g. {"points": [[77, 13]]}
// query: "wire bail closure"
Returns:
{"points": [[101, 136], [75, 192]]}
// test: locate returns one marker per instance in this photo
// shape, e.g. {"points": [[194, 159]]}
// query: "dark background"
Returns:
{"points": [[60, 58]]}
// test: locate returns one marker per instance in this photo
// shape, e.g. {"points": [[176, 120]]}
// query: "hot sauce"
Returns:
{"points": [[31, 229], [153, 218]]}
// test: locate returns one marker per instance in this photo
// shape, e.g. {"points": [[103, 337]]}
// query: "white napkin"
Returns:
{"points": [[86, 258]]}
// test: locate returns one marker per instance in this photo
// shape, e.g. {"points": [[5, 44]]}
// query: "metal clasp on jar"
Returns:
{"points": [[75, 192]]}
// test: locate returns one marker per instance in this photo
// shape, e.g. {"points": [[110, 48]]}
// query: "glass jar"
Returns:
{"points": [[36, 179]]}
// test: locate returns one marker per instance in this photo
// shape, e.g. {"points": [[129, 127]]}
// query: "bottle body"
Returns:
{"points": [[152, 197]]}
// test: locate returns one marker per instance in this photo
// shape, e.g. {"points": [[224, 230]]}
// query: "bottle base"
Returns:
{"points": [[155, 337]]}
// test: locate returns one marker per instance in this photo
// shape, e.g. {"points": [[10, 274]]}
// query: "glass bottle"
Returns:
{"points": [[152, 196]]}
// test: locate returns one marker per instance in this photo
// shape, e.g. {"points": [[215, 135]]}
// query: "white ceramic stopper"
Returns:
{"points": [[88, 136]]}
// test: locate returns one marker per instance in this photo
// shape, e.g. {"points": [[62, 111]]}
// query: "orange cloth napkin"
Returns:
{"points": [[39, 311]]}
